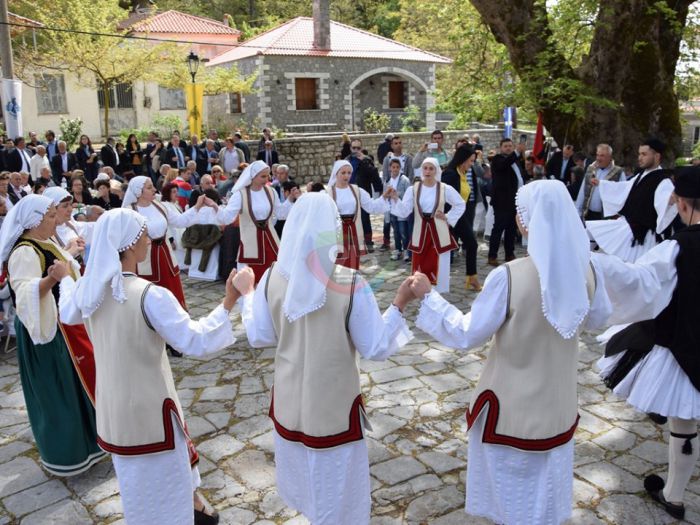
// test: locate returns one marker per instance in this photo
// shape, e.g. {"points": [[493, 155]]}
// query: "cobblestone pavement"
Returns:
{"points": [[416, 402]]}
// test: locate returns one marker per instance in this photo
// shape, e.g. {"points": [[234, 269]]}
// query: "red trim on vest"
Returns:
{"points": [[168, 443], [354, 432], [350, 256], [267, 248], [490, 435]]}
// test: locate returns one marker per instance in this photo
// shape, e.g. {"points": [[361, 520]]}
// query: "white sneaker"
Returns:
{"points": [[395, 255], [407, 257]]}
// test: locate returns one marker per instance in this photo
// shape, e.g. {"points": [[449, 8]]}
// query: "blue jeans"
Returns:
{"points": [[400, 233]]}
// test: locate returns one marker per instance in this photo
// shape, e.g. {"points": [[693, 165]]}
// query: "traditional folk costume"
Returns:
{"points": [[431, 240], [54, 360], [320, 315], [257, 211], [523, 412], [654, 363], [139, 416], [160, 267], [175, 234], [72, 229], [645, 210], [350, 202]]}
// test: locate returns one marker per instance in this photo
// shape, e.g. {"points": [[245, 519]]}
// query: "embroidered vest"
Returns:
{"points": [[444, 240], [639, 208], [359, 231], [250, 251], [529, 381], [614, 175], [316, 397]]}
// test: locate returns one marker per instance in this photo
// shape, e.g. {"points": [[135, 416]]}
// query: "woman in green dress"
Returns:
{"points": [[60, 413]]}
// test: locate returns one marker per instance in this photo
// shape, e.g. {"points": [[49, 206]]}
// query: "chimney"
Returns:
{"points": [[322, 24]]}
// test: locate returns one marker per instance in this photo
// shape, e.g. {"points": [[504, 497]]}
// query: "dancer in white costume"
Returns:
{"points": [[139, 416], [654, 363], [320, 316], [523, 413], [643, 203]]}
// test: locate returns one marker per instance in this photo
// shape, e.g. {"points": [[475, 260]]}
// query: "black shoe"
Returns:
{"points": [[370, 248], [200, 518], [384, 247], [173, 352], [657, 418], [654, 485]]}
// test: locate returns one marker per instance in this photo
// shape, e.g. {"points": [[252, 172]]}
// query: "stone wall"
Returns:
{"points": [[311, 158]]}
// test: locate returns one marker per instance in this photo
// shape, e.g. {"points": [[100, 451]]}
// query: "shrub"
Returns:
{"points": [[71, 129], [375, 122]]}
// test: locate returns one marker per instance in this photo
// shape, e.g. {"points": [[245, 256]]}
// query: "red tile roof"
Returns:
{"points": [[23, 20], [295, 37], [177, 22]]}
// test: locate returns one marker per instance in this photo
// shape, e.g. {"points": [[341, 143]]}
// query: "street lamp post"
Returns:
{"points": [[193, 64]]}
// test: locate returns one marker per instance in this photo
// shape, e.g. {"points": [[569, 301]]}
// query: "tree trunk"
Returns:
{"points": [[106, 91], [632, 64]]}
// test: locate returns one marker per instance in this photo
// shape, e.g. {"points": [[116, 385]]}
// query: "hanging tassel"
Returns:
{"points": [[687, 445]]}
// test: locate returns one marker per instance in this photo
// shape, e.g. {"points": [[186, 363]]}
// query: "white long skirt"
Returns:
{"points": [[329, 487], [158, 488], [443, 280], [514, 487], [615, 238], [656, 384]]}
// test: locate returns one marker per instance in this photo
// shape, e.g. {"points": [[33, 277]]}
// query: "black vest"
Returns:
{"points": [[47, 258], [676, 327], [639, 208]]}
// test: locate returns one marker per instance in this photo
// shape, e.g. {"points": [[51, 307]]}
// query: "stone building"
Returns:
{"points": [[316, 75]]}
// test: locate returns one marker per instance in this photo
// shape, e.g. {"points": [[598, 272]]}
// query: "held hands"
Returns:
{"points": [[232, 294], [210, 203], [390, 193], [75, 246], [420, 286], [414, 287], [244, 281], [58, 270]]}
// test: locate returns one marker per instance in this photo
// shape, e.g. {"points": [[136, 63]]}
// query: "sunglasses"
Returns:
{"points": [[356, 149]]}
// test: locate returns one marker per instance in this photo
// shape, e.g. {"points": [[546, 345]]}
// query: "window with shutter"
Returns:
{"points": [[397, 94], [236, 103], [306, 93]]}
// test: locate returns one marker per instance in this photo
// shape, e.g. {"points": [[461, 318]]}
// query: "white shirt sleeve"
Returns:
{"points": [[614, 194], [256, 318], [641, 290], [374, 335], [666, 211], [282, 209], [67, 309], [601, 307], [454, 199], [184, 219], [229, 213], [404, 207], [207, 335], [373, 206], [452, 328]]}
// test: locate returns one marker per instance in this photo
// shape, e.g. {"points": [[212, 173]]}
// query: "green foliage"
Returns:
{"points": [[375, 122], [71, 129], [696, 150], [164, 125], [411, 120], [141, 134]]}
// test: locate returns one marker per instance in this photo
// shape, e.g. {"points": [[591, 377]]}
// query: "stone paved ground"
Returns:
{"points": [[416, 402]]}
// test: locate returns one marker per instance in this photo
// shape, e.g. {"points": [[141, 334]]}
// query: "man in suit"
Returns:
{"points": [[507, 173], [196, 153], [150, 145], [238, 142], [560, 165], [177, 158], [63, 163], [269, 155], [15, 191], [51, 144], [109, 155], [19, 158], [209, 158], [588, 202]]}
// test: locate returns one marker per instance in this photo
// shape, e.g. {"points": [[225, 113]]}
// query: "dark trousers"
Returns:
{"points": [[387, 233], [279, 226], [366, 227], [503, 223], [464, 231]]}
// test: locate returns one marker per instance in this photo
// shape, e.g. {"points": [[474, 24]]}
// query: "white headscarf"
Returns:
{"points": [[249, 174], [307, 253], [134, 190], [334, 172], [25, 215], [434, 162], [56, 194], [115, 231], [560, 250]]}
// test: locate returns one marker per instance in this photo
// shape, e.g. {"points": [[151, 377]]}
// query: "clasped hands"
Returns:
{"points": [[203, 200], [414, 287]]}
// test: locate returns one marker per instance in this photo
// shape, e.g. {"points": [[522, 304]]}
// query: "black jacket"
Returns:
{"points": [[57, 166], [554, 167], [505, 181], [274, 157], [108, 155], [13, 159], [367, 176], [451, 177], [171, 154]]}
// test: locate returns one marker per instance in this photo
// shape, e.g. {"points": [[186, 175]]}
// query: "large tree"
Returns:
{"points": [[620, 89]]}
